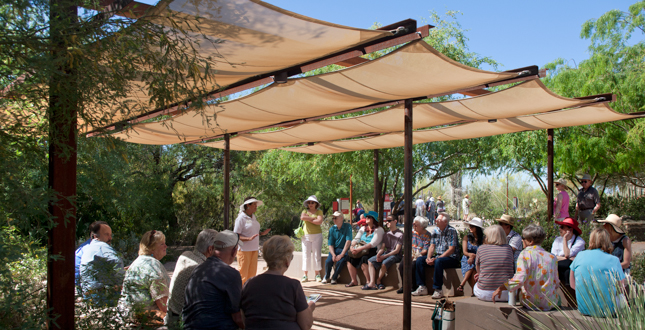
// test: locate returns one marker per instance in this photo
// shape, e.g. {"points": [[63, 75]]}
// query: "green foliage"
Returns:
{"points": [[23, 275], [637, 270], [489, 201], [628, 208]]}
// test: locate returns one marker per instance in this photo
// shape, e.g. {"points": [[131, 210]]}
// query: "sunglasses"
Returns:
{"points": [[564, 227], [311, 202], [584, 181], [389, 220]]}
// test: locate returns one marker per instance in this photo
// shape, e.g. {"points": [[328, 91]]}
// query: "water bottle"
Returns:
{"points": [[511, 298]]}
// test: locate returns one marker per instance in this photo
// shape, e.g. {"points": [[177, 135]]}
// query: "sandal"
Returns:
{"points": [[460, 288], [350, 284], [381, 287], [367, 287]]}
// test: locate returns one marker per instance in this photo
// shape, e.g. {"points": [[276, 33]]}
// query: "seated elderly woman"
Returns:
{"points": [[536, 273], [494, 262], [364, 246], [598, 277], [272, 300], [567, 246], [145, 287]]}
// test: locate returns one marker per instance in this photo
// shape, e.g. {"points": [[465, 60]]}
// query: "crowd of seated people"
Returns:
{"points": [[205, 291]]}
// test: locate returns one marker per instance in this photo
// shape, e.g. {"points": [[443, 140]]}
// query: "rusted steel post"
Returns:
{"points": [[351, 206], [227, 175], [377, 187], [63, 109], [549, 172], [407, 236]]}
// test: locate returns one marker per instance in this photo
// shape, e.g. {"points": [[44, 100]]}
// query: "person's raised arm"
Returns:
{"points": [[565, 244], [305, 318]]}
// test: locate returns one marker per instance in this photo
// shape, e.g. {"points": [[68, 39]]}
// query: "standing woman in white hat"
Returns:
{"points": [[622, 244], [248, 228], [312, 240]]}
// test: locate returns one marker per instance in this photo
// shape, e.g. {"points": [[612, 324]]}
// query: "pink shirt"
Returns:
{"points": [[564, 209], [537, 275]]}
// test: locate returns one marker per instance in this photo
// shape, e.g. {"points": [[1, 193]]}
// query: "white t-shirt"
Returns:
{"points": [[574, 247], [247, 227], [420, 203]]}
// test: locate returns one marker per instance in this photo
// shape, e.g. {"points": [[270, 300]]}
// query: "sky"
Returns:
{"points": [[515, 33]]}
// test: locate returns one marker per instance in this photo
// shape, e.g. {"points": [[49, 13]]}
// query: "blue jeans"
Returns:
{"points": [[439, 265], [339, 265]]}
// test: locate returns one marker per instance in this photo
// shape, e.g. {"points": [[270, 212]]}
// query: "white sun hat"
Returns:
{"points": [[311, 198], [249, 201]]}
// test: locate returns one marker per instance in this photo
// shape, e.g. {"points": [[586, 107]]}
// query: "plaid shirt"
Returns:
{"points": [[443, 240]]}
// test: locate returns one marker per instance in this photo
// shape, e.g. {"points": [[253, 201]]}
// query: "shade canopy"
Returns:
{"points": [[586, 115], [414, 70], [526, 98]]}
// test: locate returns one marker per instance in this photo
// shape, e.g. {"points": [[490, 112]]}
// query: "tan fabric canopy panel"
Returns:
{"points": [[414, 70], [252, 37], [586, 115], [523, 99]]}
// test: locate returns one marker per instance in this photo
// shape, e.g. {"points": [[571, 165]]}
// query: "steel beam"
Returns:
{"points": [[407, 234], [63, 110], [227, 175], [549, 172]]}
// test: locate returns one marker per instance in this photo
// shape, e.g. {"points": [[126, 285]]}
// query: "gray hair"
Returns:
{"points": [[445, 215], [205, 239], [534, 233], [422, 221], [495, 235]]}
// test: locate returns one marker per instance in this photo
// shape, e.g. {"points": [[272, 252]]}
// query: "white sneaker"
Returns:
{"points": [[437, 294], [333, 282], [323, 281], [421, 291]]}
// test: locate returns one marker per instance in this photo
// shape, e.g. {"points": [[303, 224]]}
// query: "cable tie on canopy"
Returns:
{"points": [[397, 30], [492, 121], [521, 73], [600, 98]]}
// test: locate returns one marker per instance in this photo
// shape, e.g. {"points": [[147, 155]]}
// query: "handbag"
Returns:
{"points": [[300, 231], [359, 254]]}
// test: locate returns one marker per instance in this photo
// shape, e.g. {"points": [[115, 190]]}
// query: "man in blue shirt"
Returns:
{"points": [[340, 238], [214, 290], [101, 269]]}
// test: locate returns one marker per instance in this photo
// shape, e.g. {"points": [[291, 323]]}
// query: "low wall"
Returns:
{"points": [[451, 277]]}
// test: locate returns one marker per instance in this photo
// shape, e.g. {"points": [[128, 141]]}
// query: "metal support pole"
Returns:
{"points": [[227, 175], [549, 171], [377, 187], [351, 206], [407, 234], [63, 109]]}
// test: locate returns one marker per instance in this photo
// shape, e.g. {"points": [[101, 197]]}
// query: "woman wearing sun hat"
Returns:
{"points": [[561, 201], [312, 240], [248, 228], [371, 236], [567, 246], [622, 244], [470, 243]]}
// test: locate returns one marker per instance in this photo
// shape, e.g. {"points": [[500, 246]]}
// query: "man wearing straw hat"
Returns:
{"points": [[588, 201], [514, 239]]}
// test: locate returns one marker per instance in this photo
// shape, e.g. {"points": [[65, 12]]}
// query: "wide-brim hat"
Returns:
{"points": [[615, 221], [439, 198], [570, 222], [337, 213], [477, 222], [586, 177], [561, 181], [466, 196], [311, 198], [373, 215], [507, 219], [250, 201]]}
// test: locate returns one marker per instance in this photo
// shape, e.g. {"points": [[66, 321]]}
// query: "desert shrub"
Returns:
{"points": [[637, 270]]}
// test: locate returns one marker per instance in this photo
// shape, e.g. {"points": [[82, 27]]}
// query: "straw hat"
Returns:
{"points": [[252, 200], [507, 219], [570, 222], [477, 222], [466, 196], [561, 181], [439, 198], [615, 221], [586, 177], [311, 198]]}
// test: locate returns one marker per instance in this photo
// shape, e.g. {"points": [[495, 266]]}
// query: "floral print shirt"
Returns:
{"points": [[537, 275]]}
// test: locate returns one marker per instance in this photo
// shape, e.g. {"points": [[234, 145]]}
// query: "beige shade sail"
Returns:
{"points": [[414, 70], [526, 98], [240, 39], [586, 115]]}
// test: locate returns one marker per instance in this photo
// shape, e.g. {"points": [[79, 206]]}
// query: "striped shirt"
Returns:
{"points": [[495, 264]]}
